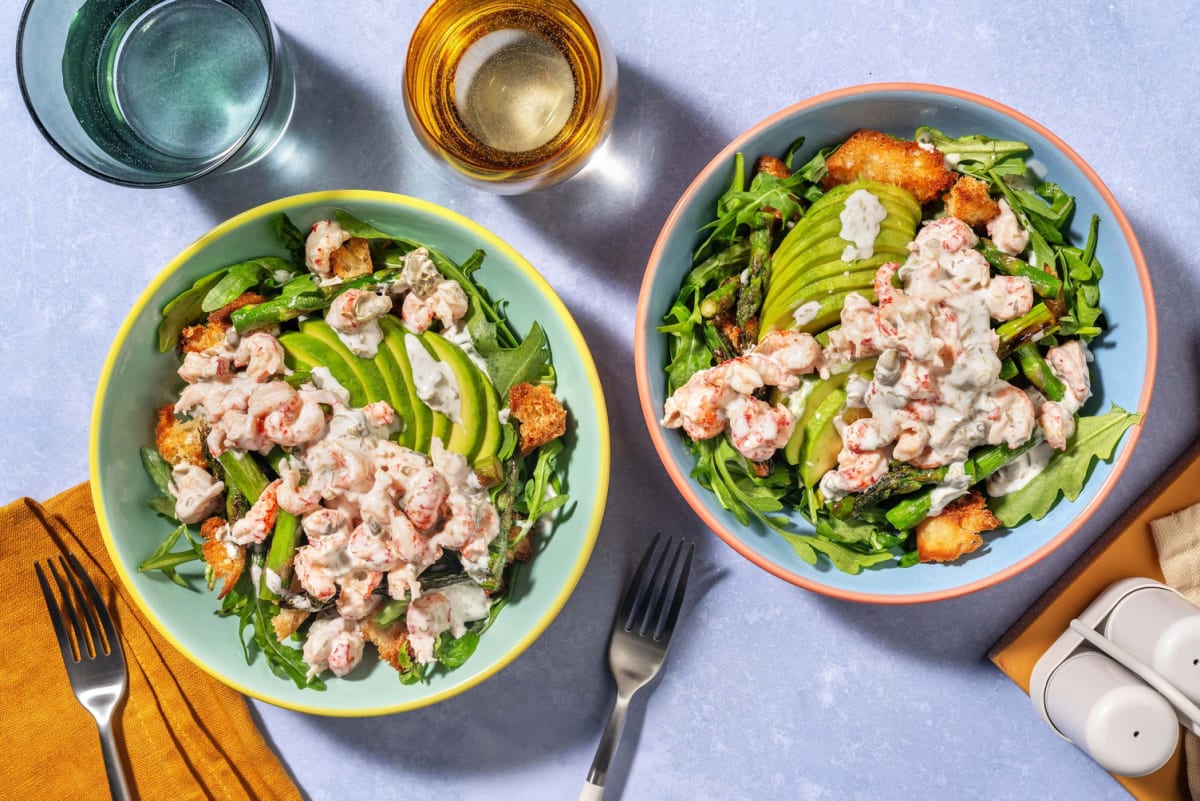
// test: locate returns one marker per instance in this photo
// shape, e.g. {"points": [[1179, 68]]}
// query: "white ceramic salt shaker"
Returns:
{"points": [[1161, 628], [1112, 715]]}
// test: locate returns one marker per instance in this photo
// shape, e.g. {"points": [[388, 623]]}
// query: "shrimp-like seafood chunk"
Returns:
{"points": [[373, 549], [325, 237], [319, 564], [427, 617], [1057, 424], [446, 304], [354, 315], [1006, 231], [1009, 296], [758, 429], [797, 353], [260, 520], [699, 405], [196, 492], [855, 472], [426, 493], [324, 523], [333, 643], [1011, 417], [357, 598], [261, 355], [949, 234], [1069, 361]]}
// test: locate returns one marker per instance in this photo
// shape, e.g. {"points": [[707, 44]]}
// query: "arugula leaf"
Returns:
{"points": [[240, 277], [975, 148], [290, 236], [183, 310], [256, 614], [158, 468], [740, 207], [453, 653], [1095, 437], [165, 559], [508, 367]]}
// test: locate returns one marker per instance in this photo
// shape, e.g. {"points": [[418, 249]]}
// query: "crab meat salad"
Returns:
{"points": [[360, 451], [891, 339]]}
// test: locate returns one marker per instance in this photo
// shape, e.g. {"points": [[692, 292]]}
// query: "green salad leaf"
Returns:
{"points": [[1095, 438]]}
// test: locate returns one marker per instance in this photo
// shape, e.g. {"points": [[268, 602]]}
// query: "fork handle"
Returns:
{"points": [[118, 785], [593, 790]]}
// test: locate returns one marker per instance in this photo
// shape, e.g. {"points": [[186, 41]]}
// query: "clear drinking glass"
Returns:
{"points": [[513, 95], [155, 92]]}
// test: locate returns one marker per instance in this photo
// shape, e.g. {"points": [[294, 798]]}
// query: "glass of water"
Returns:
{"points": [[155, 92]]}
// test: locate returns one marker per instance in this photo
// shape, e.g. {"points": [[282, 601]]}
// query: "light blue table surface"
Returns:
{"points": [[771, 692]]}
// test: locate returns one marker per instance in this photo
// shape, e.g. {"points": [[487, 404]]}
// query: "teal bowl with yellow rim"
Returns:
{"points": [[137, 379]]}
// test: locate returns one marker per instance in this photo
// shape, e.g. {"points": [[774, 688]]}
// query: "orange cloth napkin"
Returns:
{"points": [[185, 735]]}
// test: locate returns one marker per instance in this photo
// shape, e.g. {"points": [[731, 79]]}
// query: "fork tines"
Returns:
{"points": [[645, 606], [87, 642]]}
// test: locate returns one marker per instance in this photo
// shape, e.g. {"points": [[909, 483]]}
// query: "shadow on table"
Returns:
{"points": [[654, 127], [342, 135]]}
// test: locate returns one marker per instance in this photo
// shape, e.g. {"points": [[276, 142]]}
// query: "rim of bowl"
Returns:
{"points": [[684, 483], [491, 241]]}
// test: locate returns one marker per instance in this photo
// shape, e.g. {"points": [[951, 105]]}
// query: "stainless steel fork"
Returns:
{"points": [[95, 664], [637, 647]]}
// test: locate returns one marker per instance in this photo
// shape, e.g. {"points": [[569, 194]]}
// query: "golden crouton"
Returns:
{"points": [[772, 166], [179, 441], [956, 530], [221, 315], [389, 640], [197, 338], [225, 558], [287, 620], [969, 201], [879, 157], [541, 416], [351, 259]]}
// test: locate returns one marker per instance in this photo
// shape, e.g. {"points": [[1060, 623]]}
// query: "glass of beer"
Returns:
{"points": [[155, 92], [513, 95]]}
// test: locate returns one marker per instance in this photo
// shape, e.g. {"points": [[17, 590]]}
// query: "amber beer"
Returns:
{"points": [[512, 95]]}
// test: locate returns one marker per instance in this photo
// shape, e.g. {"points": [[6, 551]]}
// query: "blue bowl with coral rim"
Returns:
{"points": [[1125, 356]]}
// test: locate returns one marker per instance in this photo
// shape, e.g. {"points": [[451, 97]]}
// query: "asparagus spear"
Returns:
{"points": [[1044, 284], [1042, 319], [750, 299], [912, 510], [1035, 368]]}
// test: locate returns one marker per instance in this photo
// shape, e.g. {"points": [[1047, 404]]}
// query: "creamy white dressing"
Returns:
{"points": [[459, 335], [861, 218], [805, 313], [936, 391], [434, 381], [354, 317], [1020, 471], [196, 492], [951, 488]]}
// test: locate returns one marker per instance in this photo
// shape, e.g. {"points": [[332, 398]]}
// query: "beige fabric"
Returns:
{"points": [[1177, 537]]}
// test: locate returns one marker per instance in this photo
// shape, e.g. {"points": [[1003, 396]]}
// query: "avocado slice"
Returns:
{"points": [[466, 435], [398, 391], [419, 425], [371, 380], [811, 254], [302, 348], [443, 427], [792, 451]]}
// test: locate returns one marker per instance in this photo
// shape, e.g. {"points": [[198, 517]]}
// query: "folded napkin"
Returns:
{"points": [[1177, 538], [185, 735]]}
